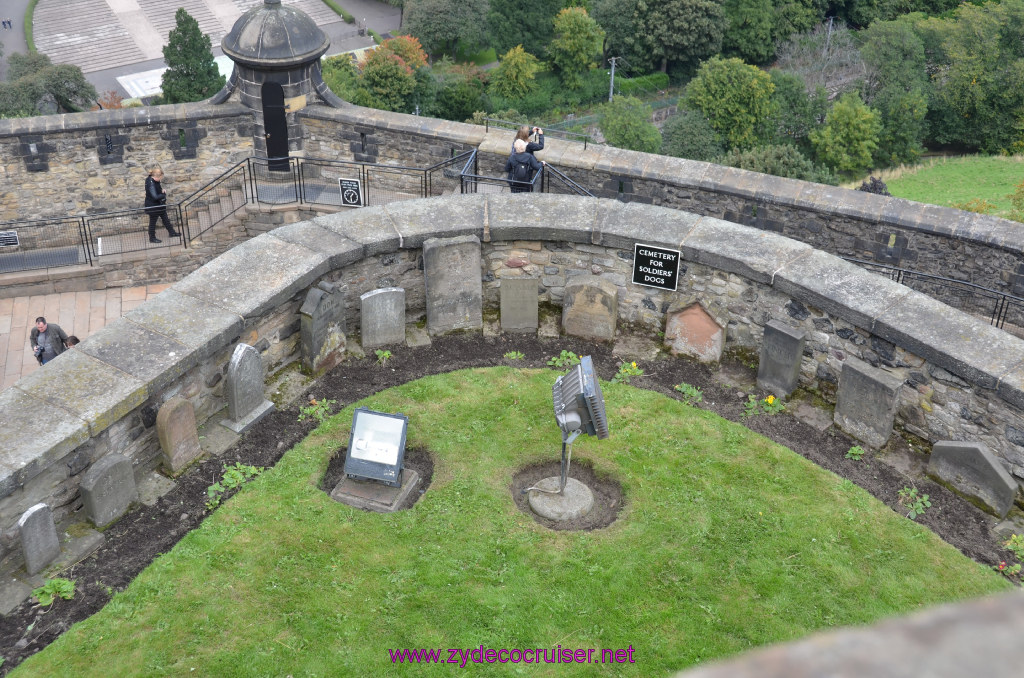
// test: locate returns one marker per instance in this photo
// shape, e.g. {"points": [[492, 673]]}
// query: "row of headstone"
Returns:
{"points": [[866, 405]]}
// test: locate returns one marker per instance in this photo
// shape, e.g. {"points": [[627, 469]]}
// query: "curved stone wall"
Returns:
{"points": [[963, 379]]}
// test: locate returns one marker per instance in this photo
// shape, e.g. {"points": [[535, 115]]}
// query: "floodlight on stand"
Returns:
{"points": [[579, 409], [376, 446]]}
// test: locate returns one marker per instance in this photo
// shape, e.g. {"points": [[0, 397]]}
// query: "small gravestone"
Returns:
{"points": [[383, 317], [108, 488], [322, 326], [519, 307], [693, 332], [782, 350], [39, 540], [452, 277], [866, 402], [243, 388], [973, 471], [178, 435], [590, 308]]}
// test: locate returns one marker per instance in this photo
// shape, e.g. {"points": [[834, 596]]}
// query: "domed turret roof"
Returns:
{"points": [[273, 35]]}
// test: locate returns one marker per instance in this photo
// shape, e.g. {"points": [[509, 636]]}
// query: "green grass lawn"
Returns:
{"points": [[727, 542], [951, 181]]}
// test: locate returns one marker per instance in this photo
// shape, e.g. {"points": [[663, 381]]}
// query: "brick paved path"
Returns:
{"points": [[78, 313]]}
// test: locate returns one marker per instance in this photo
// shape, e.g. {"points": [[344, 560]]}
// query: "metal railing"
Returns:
{"points": [[128, 231], [1004, 311], [216, 201], [44, 243]]}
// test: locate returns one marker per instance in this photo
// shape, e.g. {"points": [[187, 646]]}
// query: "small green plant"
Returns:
{"points": [[234, 477], [564, 360], [317, 409], [769, 405], [855, 453], [1009, 571], [626, 372], [916, 504], [691, 394], [514, 355], [53, 589], [382, 357], [1015, 544]]}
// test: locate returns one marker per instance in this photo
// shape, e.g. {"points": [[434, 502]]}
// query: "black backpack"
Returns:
{"points": [[521, 171]]}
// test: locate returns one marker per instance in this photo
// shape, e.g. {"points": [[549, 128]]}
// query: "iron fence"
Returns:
{"points": [[274, 181], [216, 201], [128, 231], [44, 243], [1004, 311]]}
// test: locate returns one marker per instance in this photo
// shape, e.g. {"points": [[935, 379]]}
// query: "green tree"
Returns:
{"points": [[38, 87], [460, 90], [781, 161], [341, 76], [617, 18], [522, 22], [849, 137], [797, 111], [676, 32], [626, 123], [735, 98], [386, 82], [516, 74], [191, 73], [441, 24], [690, 135], [577, 41], [748, 33], [903, 126]]}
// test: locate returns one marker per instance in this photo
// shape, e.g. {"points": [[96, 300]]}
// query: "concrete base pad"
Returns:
{"points": [[373, 496], [250, 420], [574, 502]]}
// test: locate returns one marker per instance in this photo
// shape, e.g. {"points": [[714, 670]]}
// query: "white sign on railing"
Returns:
{"points": [[9, 239]]}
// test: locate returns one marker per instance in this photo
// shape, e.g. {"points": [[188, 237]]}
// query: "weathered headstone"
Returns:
{"points": [[693, 332], [179, 438], [782, 350], [452, 277], [322, 326], [39, 540], [383, 317], [972, 470], [866, 402], [590, 308], [519, 307], [108, 488], [243, 388]]}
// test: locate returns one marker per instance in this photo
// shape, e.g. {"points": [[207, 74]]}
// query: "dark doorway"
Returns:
{"points": [[275, 126]]}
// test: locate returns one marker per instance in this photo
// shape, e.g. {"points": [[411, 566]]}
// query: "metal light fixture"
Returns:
{"points": [[579, 409], [376, 446]]}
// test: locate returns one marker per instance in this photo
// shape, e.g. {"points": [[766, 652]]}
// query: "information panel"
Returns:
{"points": [[655, 267], [351, 193], [8, 238]]}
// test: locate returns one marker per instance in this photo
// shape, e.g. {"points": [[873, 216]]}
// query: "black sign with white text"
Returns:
{"points": [[655, 267], [351, 193]]}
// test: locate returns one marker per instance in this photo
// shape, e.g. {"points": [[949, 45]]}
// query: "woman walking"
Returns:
{"points": [[156, 204]]}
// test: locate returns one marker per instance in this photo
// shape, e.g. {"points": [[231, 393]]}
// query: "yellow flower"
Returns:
{"points": [[770, 399], [634, 364]]}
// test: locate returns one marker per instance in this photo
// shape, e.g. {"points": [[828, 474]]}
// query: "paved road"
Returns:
{"points": [[14, 39]]}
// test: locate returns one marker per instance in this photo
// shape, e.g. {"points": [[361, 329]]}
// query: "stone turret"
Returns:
{"points": [[276, 50]]}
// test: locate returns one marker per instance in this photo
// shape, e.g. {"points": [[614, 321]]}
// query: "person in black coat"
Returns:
{"points": [[518, 159], [156, 204], [531, 146]]}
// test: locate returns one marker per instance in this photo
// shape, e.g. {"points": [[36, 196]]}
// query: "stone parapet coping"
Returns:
{"points": [[120, 117], [83, 392]]}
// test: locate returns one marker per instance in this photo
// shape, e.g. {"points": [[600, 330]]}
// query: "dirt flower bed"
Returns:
{"points": [[138, 538]]}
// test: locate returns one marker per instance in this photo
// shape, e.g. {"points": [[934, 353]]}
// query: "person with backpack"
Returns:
{"points": [[521, 167]]}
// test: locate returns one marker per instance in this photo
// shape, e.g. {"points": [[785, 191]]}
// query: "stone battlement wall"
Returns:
{"points": [[62, 165], [962, 379]]}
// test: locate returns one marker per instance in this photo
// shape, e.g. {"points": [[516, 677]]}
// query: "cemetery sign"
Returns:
{"points": [[351, 193], [655, 267]]}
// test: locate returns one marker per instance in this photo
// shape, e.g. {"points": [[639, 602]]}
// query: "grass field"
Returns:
{"points": [[726, 542], [951, 181]]}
